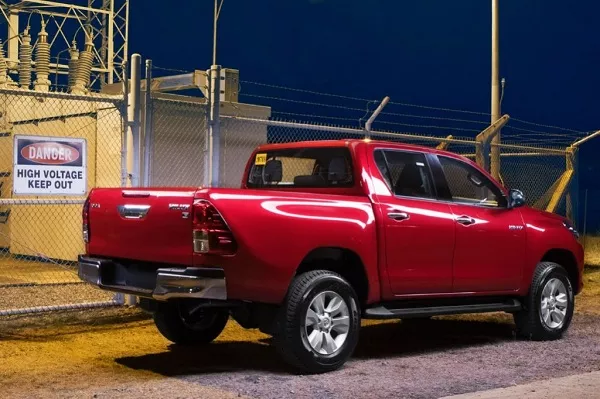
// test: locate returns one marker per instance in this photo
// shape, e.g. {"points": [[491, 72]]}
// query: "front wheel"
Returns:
{"points": [[548, 308], [319, 323], [184, 326]]}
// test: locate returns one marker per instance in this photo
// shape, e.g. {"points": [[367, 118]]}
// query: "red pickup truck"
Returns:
{"points": [[323, 234]]}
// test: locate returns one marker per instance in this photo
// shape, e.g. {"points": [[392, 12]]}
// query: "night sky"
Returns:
{"points": [[428, 52]]}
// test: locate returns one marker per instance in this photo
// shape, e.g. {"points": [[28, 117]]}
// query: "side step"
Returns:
{"points": [[383, 312]]}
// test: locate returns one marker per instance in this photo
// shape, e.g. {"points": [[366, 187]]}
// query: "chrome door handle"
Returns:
{"points": [[398, 216], [465, 220]]}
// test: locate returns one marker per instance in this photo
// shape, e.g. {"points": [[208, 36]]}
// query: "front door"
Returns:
{"points": [[490, 237], [419, 231]]}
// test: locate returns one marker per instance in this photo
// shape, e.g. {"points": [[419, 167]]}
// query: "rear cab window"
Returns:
{"points": [[318, 167]]}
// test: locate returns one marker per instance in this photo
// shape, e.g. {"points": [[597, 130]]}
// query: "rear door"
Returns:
{"points": [[490, 237], [417, 229]]}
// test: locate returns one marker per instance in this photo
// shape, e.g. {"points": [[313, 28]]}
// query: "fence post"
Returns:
{"points": [[133, 116], [148, 137], [214, 125], [133, 119], [376, 113], [483, 139]]}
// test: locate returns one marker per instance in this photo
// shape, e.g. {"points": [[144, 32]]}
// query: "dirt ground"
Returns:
{"points": [[118, 353], [592, 250]]}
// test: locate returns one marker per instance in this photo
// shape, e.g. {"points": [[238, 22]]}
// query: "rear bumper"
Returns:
{"points": [[160, 284]]}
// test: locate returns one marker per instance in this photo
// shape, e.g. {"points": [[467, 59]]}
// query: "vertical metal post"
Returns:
{"points": [[124, 134], [214, 125], [495, 111], [111, 43], [13, 39], [133, 116], [148, 125], [585, 204], [215, 20]]}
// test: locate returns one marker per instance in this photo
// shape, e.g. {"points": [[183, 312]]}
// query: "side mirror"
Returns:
{"points": [[515, 198]]}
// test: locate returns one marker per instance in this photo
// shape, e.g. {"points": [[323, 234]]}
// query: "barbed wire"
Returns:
{"points": [[314, 116], [449, 128], [301, 102], [539, 132], [435, 118], [546, 126]]}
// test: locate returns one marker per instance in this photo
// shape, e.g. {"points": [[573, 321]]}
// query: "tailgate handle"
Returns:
{"points": [[130, 211], [135, 194]]}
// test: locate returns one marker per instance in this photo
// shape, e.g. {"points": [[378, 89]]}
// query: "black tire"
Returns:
{"points": [[291, 338], [178, 326], [530, 321]]}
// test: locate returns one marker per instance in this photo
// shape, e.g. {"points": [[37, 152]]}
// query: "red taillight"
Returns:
{"points": [[85, 216], [211, 235]]}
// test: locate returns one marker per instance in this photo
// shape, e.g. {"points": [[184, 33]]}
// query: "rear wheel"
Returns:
{"points": [[548, 308], [319, 323], [185, 326]]}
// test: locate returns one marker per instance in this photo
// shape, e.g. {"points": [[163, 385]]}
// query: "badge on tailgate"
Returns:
{"points": [[184, 208]]}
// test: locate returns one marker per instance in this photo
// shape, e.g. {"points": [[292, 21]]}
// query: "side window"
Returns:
{"points": [[469, 185], [406, 173]]}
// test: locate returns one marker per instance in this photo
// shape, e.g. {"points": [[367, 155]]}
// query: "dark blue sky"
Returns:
{"points": [[431, 52]]}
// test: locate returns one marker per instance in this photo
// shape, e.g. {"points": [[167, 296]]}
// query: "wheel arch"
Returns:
{"points": [[566, 259], [343, 261]]}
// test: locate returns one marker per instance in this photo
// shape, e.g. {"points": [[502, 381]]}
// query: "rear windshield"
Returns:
{"points": [[302, 167]]}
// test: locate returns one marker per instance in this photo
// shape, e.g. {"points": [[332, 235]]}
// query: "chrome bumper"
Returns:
{"points": [[161, 284]]}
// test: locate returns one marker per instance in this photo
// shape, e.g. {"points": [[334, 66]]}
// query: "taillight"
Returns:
{"points": [[85, 216], [211, 235]]}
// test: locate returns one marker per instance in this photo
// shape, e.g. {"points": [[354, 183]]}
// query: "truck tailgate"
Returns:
{"points": [[142, 224]]}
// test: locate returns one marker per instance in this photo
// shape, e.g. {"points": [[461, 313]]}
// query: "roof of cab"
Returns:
{"points": [[356, 142]]}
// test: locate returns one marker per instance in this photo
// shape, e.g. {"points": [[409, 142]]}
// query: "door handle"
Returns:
{"points": [[399, 216], [465, 220]]}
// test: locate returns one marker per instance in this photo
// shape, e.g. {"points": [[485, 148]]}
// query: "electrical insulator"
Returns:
{"points": [[73, 62], [42, 60], [25, 60], [84, 68], [3, 66]]}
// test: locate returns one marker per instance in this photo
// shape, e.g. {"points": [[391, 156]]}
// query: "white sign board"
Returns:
{"points": [[49, 165]]}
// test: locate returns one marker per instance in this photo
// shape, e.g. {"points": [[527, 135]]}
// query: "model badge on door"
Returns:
{"points": [[515, 227]]}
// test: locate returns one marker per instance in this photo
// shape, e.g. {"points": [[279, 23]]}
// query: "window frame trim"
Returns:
{"points": [[434, 198], [349, 158]]}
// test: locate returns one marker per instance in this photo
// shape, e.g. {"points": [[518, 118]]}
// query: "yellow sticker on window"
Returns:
{"points": [[261, 160]]}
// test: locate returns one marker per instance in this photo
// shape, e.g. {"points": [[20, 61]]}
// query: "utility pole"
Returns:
{"points": [[495, 111]]}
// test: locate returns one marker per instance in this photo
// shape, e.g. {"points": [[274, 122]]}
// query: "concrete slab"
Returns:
{"points": [[581, 386]]}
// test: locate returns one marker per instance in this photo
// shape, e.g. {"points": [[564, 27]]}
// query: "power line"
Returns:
{"points": [[304, 91]]}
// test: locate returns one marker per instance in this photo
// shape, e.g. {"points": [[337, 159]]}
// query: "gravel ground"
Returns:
{"points": [[118, 353], [50, 295], [437, 358]]}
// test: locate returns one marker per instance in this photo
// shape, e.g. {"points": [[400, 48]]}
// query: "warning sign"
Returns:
{"points": [[49, 165]]}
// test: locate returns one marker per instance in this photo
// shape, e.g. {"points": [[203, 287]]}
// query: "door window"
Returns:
{"points": [[468, 185], [405, 173]]}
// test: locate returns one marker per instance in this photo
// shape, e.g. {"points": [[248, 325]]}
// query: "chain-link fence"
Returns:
{"points": [[54, 148]]}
